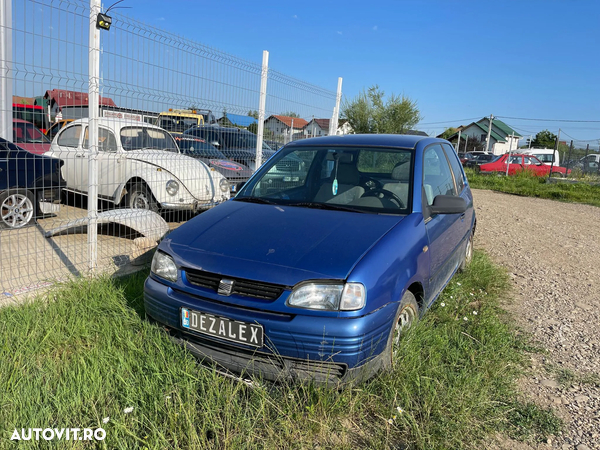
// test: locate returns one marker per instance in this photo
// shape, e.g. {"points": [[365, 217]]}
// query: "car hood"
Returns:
{"points": [[229, 169], [277, 244], [194, 174]]}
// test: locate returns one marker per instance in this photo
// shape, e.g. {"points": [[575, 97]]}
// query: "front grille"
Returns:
{"points": [[241, 287], [288, 165]]}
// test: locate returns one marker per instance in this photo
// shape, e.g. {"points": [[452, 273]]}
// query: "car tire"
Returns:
{"points": [[406, 315], [139, 196], [468, 256], [17, 208]]}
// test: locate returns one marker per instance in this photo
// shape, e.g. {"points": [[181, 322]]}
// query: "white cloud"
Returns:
{"points": [[295, 16], [375, 28], [339, 32], [161, 18]]}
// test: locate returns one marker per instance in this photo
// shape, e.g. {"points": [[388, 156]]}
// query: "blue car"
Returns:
{"points": [[317, 276]]}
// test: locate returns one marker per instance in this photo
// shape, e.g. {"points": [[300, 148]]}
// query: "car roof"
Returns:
{"points": [[112, 122], [376, 140]]}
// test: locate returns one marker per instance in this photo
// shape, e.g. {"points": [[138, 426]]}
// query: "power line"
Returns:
{"points": [[448, 121], [549, 120]]}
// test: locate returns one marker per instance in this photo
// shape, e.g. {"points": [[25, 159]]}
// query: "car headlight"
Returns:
{"points": [[172, 187], [224, 185], [164, 266], [329, 297]]}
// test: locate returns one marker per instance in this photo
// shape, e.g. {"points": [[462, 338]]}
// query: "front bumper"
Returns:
{"points": [[195, 206], [338, 350]]}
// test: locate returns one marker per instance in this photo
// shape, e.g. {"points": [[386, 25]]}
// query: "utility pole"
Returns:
{"points": [[458, 145], [530, 139], [487, 141], [466, 142]]}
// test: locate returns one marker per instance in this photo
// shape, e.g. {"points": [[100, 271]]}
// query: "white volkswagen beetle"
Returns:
{"points": [[139, 166]]}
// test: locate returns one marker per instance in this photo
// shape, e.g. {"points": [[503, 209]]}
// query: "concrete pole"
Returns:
{"points": [[458, 145], [92, 156], [489, 135], [6, 75], [509, 153], [338, 99], [261, 108]]}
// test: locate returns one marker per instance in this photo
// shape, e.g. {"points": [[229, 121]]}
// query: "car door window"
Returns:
{"points": [[106, 140], [516, 160], [456, 166], [70, 136], [437, 178]]}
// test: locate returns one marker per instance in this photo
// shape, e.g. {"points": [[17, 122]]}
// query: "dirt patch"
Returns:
{"points": [[552, 252]]}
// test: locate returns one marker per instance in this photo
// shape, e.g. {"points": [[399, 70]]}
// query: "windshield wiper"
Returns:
{"points": [[325, 206], [260, 200]]}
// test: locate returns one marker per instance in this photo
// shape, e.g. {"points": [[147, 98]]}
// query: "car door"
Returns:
{"points": [[515, 164], [110, 163], [68, 148], [534, 165], [444, 231]]}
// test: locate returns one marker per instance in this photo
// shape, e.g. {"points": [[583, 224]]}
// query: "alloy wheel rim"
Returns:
{"points": [[16, 210], [405, 320]]}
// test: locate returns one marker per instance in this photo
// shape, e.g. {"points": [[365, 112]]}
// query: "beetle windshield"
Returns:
{"points": [[376, 180], [137, 138]]}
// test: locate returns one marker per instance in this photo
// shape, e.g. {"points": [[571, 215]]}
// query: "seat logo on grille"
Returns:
{"points": [[225, 287]]}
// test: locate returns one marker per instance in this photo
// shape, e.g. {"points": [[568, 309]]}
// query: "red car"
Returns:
{"points": [[29, 137], [519, 162]]}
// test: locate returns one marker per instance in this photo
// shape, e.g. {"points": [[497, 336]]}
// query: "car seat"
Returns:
{"points": [[348, 179]]}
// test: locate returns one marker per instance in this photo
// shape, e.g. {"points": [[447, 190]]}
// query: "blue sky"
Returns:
{"points": [[457, 59]]}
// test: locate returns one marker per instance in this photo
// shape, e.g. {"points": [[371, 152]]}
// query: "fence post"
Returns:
{"points": [[6, 76], [93, 108], [509, 153], [261, 108]]}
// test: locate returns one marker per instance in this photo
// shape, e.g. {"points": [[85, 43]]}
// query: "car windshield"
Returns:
{"points": [[137, 138], [198, 147], [27, 133], [543, 157], [177, 124], [240, 140], [359, 179]]}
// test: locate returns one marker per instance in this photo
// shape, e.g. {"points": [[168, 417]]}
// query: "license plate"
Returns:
{"points": [[231, 330]]}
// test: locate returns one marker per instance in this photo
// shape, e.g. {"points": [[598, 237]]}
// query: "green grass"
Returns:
{"points": [[87, 354], [526, 184]]}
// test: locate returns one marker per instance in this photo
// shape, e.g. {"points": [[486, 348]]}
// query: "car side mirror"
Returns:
{"points": [[215, 144], [448, 204], [239, 186]]}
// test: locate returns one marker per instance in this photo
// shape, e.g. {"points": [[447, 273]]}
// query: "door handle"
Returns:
{"points": [[79, 155], [462, 216]]}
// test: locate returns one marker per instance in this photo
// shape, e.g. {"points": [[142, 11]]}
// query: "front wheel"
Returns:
{"points": [[139, 196], [16, 208], [468, 254], [407, 314]]}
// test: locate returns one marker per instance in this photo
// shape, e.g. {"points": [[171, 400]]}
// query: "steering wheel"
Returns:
{"points": [[386, 194], [371, 184]]}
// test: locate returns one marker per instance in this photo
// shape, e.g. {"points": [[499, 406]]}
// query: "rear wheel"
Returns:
{"points": [[16, 208], [407, 314], [139, 196]]}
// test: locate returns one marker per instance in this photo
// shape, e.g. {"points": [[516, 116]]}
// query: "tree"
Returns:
{"points": [[254, 114], [290, 114], [369, 112], [544, 139], [253, 128], [225, 122], [448, 132]]}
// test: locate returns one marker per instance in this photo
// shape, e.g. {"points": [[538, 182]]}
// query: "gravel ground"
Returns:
{"points": [[552, 253]]}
